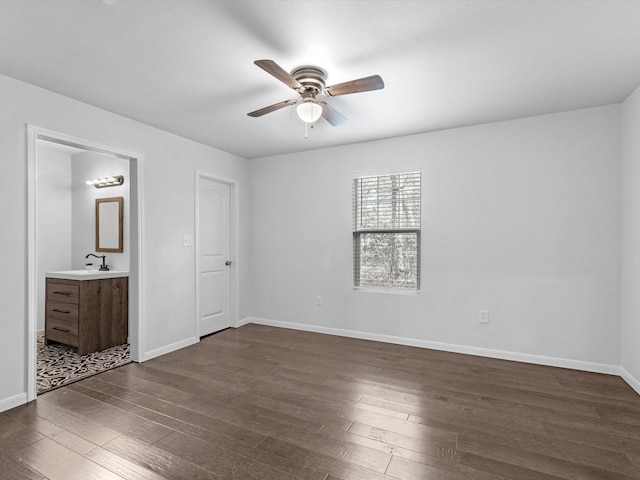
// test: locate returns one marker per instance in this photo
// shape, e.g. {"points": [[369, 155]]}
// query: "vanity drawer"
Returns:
{"points": [[62, 331], [62, 311], [62, 292]]}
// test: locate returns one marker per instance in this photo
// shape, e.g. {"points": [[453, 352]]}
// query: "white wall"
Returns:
{"points": [[54, 219], [631, 238], [521, 218], [168, 197], [86, 166]]}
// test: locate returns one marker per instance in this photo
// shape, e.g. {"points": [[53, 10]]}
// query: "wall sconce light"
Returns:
{"points": [[114, 181]]}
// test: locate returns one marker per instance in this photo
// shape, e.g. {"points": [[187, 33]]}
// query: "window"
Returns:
{"points": [[386, 231]]}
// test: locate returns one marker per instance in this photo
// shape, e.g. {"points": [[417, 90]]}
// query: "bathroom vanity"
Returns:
{"points": [[87, 309]]}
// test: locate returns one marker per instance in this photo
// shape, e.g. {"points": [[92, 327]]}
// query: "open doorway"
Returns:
{"points": [[64, 226]]}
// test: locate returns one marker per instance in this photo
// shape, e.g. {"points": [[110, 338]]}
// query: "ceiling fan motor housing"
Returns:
{"points": [[310, 77]]}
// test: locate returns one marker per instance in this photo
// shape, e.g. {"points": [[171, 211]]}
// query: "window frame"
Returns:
{"points": [[358, 233]]}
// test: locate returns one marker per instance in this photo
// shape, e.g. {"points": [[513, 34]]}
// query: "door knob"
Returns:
{"points": [[227, 263]]}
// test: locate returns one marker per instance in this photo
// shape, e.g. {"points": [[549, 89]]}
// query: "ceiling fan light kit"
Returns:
{"points": [[309, 111], [309, 82]]}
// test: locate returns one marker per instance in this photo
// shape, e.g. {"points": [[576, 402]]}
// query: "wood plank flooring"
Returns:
{"points": [[276, 404]]}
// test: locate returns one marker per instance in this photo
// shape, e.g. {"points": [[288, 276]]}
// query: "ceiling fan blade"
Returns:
{"points": [[374, 82], [271, 108], [280, 73], [331, 115]]}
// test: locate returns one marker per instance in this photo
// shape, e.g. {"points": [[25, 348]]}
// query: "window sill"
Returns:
{"points": [[391, 291]]}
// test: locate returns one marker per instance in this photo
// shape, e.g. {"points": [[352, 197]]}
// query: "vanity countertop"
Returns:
{"points": [[86, 274]]}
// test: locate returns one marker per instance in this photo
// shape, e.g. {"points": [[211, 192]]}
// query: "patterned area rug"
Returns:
{"points": [[60, 365]]}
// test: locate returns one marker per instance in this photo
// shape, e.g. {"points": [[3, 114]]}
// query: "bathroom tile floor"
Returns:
{"points": [[59, 365]]}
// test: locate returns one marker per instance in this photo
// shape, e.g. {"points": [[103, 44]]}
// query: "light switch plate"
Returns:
{"points": [[187, 240]]}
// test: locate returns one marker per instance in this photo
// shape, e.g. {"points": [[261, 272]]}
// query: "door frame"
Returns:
{"points": [[136, 267], [234, 216]]}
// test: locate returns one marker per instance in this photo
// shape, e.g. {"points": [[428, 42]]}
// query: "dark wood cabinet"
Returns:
{"points": [[90, 315]]}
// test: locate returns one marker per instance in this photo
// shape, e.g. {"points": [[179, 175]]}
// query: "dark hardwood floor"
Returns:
{"points": [[267, 403]]}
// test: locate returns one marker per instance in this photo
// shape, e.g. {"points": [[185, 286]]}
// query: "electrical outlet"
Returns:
{"points": [[187, 241], [483, 316], [319, 301]]}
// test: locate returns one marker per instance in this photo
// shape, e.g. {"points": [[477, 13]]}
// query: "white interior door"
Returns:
{"points": [[214, 255]]}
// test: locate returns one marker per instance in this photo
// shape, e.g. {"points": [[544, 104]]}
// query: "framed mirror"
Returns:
{"points": [[109, 224]]}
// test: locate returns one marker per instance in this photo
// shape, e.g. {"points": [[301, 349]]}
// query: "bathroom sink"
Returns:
{"points": [[86, 274]]}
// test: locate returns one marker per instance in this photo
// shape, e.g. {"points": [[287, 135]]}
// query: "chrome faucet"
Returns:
{"points": [[104, 267]]}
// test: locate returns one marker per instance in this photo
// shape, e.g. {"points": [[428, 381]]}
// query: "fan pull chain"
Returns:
{"points": [[306, 130]]}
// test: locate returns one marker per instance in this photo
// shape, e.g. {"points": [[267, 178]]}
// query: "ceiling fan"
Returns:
{"points": [[309, 82]]}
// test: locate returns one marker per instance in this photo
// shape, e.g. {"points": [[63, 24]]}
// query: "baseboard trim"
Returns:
{"points": [[169, 348], [245, 321], [12, 402], [447, 347], [630, 379]]}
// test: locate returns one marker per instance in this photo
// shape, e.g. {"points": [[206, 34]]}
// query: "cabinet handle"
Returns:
{"points": [[65, 330], [63, 293], [61, 311]]}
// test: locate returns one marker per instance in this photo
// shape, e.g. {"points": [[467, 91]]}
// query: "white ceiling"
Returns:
{"points": [[187, 66]]}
